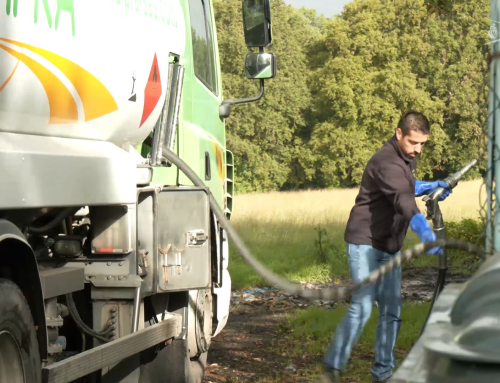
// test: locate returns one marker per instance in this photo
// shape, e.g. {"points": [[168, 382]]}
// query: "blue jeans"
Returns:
{"points": [[362, 260]]}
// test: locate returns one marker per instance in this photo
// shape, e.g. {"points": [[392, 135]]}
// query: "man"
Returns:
{"points": [[377, 226]]}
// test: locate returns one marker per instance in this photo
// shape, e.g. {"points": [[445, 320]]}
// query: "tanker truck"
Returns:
{"points": [[113, 266]]}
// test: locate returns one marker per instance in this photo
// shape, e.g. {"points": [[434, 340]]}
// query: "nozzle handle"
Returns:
{"points": [[451, 180]]}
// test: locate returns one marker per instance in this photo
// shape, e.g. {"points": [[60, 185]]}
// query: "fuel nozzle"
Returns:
{"points": [[454, 178], [432, 199]]}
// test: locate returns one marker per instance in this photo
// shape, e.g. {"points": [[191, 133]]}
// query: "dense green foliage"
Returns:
{"points": [[343, 83], [468, 230]]}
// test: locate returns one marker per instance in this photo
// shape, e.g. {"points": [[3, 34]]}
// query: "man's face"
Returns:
{"points": [[413, 143]]}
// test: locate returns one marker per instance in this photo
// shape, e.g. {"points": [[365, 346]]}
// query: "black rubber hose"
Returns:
{"points": [[437, 290], [335, 293], [72, 306], [55, 221], [107, 331], [81, 325]]}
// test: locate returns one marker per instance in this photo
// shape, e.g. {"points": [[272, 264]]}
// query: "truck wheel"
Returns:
{"points": [[19, 355], [184, 360], [172, 364], [195, 367]]}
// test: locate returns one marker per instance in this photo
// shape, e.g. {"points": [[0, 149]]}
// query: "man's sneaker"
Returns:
{"points": [[331, 376], [386, 380]]}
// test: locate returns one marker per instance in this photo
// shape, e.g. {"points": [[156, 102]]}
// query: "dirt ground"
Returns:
{"points": [[245, 352]]}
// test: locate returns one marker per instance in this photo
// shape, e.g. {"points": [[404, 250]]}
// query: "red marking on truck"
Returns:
{"points": [[152, 92], [105, 250]]}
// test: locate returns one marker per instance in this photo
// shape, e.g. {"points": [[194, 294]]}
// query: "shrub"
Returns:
{"points": [[469, 230]]}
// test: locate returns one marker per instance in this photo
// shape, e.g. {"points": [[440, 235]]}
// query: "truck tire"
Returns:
{"points": [[194, 368], [173, 365], [19, 355], [197, 368]]}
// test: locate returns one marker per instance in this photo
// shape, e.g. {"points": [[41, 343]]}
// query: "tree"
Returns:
{"points": [[264, 135], [388, 56]]}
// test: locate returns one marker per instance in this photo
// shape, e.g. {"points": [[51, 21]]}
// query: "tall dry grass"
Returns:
{"points": [[321, 207], [282, 231]]}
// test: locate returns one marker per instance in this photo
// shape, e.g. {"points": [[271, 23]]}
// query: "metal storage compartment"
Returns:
{"points": [[183, 239]]}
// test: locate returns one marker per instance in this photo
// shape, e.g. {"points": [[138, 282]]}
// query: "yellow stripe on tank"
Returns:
{"points": [[10, 77], [62, 105], [97, 101]]}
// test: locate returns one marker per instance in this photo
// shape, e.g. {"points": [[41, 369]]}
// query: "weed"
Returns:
{"points": [[322, 244], [328, 250]]}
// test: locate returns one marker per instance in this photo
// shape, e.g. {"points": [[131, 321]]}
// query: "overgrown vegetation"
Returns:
{"points": [[469, 230], [343, 83], [308, 333], [289, 251], [300, 235], [328, 250]]}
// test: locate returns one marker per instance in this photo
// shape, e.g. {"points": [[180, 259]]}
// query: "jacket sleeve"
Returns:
{"points": [[393, 183]]}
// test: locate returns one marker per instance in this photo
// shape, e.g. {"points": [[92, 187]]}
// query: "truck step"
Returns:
{"points": [[107, 354]]}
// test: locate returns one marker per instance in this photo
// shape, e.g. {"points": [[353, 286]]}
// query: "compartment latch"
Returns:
{"points": [[196, 238]]}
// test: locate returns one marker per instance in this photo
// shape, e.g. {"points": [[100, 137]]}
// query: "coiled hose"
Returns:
{"points": [[330, 294]]}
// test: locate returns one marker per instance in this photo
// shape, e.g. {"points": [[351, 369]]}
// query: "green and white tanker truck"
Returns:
{"points": [[113, 266]]}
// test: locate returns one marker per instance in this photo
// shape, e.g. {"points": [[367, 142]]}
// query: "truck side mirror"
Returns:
{"points": [[260, 65], [257, 23]]}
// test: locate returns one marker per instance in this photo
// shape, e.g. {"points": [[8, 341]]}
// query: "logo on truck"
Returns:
{"points": [[96, 100], [62, 5]]}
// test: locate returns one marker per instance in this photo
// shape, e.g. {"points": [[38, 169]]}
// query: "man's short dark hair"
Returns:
{"points": [[412, 120]]}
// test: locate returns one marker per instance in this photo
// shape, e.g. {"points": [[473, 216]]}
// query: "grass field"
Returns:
{"points": [[282, 230], [309, 332]]}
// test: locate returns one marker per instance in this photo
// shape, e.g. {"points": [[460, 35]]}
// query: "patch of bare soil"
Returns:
{"points": [[245, 350], [419, 283]]}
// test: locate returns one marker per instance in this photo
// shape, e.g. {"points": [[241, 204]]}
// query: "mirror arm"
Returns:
{"points": [[225, 107], [247, 100]]}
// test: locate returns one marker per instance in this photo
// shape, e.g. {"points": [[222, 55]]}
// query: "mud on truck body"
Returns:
{"points": [[113, 267]]}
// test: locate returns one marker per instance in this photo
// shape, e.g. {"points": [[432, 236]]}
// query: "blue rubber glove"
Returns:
{"points": [[425, 188], [424, 231]]}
